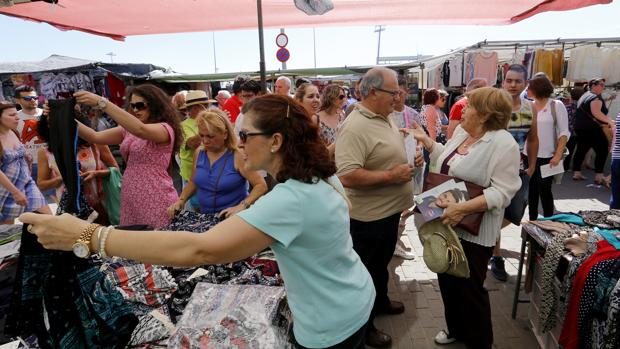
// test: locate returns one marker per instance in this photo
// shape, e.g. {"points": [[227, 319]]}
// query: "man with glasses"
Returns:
{"points": [[196, 101], [29, 117], [372, 166]]}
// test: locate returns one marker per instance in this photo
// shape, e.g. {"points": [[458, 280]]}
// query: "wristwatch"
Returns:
{"points": [[81, 247], [102, 103]]}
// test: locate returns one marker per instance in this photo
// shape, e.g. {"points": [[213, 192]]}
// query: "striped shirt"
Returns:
{"points": [[615, 150]]}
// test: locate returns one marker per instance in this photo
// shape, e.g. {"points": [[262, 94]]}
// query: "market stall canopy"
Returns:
{"points": [[120, 18], [56, 63]]}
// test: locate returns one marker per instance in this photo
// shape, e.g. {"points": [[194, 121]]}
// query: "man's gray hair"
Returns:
{"points": [[374, 78], [223, 93], [286, 79]]}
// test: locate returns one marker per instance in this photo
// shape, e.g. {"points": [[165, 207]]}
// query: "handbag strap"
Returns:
{"points": [[555, 123], [219, 176]]}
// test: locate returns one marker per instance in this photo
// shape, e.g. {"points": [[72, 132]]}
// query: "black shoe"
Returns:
{"points": [[378, 339], [498, 269], [392, 309]]}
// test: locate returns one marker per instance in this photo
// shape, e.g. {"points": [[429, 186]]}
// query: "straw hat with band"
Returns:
{"points": [[443, 252], [195, 97]]}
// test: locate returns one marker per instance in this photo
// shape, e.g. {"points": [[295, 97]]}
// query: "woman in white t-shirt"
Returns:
{"points": [[553, 134]]}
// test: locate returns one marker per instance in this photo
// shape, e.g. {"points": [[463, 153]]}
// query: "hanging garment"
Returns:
{"points": [[233, 316], [611, 65], [456, 71], [65, 301], [570, 337], [485, 66], [585, 63], [550, 62], [63, 142], [551, 260]]}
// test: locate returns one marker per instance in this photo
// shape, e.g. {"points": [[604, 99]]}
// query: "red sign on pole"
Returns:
{"points": [[283, 55]]}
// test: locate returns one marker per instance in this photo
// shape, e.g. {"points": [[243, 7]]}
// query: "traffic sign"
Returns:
{"points": [[283, 55], [281, 40]]}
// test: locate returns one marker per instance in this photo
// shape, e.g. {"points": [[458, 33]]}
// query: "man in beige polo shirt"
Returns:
{"points": [[372, 165]]}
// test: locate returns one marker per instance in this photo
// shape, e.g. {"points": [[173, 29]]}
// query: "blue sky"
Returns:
{"points": [[335, 46]]}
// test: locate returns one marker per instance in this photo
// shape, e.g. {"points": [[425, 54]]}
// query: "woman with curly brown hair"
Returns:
{"points": [[304, 219], [149, 134]]}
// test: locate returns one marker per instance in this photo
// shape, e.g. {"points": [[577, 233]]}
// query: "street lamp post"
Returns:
{"points": [[111, 54], [379, 29]]}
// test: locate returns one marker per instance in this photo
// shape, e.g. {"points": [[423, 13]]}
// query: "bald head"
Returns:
{"points": [[283, 86]]}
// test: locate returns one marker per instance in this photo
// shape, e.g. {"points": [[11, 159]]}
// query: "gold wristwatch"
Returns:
{"points": [[81, 247]]}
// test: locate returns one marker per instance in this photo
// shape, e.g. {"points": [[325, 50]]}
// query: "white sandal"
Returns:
{"points": [[443, 337]]}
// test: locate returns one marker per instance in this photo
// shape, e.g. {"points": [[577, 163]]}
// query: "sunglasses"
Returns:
{"points": [[243, 135], [341, 97], [138, 106], [30, 98]]}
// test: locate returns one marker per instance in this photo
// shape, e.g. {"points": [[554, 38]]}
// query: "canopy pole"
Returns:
{"points": [[261, 43]]}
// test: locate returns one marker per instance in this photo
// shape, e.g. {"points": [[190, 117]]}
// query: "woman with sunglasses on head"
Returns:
{"points": [[18, 191], [308, 95], [218, 173], [330, 112], [149, 134], [304, 219]]}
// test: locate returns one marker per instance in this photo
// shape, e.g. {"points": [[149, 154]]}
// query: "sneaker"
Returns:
{"points": [[400, 252], [444, 338], [497, 269]]}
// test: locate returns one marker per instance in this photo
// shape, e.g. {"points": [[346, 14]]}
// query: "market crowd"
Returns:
{"points": [[323, 177]]}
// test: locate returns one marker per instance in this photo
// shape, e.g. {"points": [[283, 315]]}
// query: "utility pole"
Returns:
{"points": [[379, 29], [214, 58], [314, 42], [111, 54]]}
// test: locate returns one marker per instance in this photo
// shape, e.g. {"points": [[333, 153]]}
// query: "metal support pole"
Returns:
{"points": [[214, 58], [379, 29], [283, 63], [261, 43]]}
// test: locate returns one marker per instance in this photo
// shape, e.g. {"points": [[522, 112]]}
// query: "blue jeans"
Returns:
{"points": [[615, 184]]}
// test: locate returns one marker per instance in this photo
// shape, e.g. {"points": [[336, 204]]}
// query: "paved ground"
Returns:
{"points": [[416, 286]]}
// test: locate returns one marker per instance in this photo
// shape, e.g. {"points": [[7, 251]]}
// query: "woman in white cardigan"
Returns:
{"points": [[483, 152]]}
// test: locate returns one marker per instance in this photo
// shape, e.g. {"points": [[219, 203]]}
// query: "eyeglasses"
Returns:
{"points": [[30, 98], [341, 97], [394, 93], [243, 135], [138, 106]]}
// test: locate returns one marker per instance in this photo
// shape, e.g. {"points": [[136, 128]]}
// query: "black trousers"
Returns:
{"points": [[570, 145], [540, 188], [596, 139], [375, 242], [466, 302]]}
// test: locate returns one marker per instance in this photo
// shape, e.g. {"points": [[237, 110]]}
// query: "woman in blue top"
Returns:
{"points": [[218, 173], [304, 219]]}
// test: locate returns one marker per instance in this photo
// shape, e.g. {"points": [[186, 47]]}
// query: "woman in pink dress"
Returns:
{"points": [[149, 134]]}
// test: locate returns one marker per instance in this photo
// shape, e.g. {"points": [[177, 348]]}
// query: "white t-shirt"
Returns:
{"points": [[546, 136], [27, 130]]}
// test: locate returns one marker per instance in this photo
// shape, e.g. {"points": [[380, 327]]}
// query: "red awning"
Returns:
{"points": [[120, 18]]}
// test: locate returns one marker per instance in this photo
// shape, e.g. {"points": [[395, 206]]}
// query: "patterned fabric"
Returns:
{"points": [[609, 219], [571, 109], [154, 326], [237, 273], [13, 165], [328, 134], [193, 222], [141, 283], [233, 316], [66, 302], [587, 301], [147, 189], [611, 333], [84, 210], [422, 118], [553, 254]]}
